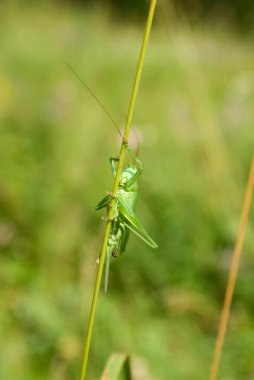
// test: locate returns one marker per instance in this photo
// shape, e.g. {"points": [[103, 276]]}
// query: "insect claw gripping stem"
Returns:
{"points": [[125, 142]]}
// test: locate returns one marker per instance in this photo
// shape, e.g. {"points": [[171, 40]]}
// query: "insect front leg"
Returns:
{"points": [[112, 162], [134, 157]]}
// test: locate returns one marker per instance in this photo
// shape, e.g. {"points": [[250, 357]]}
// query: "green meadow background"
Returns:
{"points": [[194, 120]]}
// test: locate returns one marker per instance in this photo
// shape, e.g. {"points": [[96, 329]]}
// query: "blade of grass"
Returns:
{"points": [[115, 185], [117, 365], [232, 276]]}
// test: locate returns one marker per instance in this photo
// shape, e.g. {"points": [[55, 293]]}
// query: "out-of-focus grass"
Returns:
{"points": [[194, 119]]}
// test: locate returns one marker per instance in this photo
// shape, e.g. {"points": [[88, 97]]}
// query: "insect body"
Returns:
{"points": [[124, 218]]}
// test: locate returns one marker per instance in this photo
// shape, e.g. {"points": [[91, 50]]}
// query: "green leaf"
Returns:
{"points": [[117, 368]]}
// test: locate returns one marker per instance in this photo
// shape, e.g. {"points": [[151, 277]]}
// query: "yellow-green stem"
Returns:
{"points": [[232, 276], [115, 186]]}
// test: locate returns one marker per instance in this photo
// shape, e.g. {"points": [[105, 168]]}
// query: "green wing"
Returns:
{"points": [[127, 211]]}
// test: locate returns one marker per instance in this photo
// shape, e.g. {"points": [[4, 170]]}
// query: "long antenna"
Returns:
{"points": [[95, 97], [102, 106]]}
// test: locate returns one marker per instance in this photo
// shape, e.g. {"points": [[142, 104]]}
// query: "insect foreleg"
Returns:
{"points": [[112, 162], [134, 158]]}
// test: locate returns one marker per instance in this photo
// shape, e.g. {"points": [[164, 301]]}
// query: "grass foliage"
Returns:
{"points": [[194, 119]]}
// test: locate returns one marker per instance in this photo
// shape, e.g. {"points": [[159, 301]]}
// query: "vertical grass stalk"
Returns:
{"points": [[232, 276], [115, 186]]}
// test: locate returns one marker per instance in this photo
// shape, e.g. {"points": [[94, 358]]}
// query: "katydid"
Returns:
{"points": [[124, 218]]}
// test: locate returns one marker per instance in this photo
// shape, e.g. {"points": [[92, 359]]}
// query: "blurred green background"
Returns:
{"points": [[194, 120]]}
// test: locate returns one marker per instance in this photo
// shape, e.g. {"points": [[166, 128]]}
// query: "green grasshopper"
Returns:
{"points": [[124, 218]]}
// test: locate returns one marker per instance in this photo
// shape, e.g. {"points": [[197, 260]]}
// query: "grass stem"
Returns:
{"points": [[115, 186], [232, 276]]}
